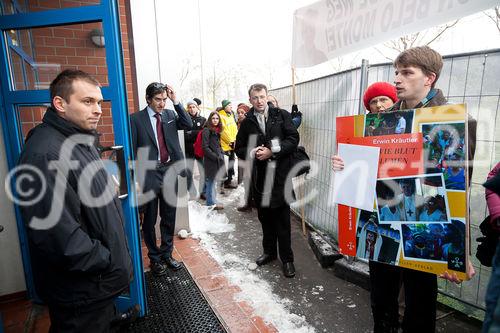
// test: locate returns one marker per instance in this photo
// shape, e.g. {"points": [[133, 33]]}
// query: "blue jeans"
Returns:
{"points": [[492, 316], [210, 191]]}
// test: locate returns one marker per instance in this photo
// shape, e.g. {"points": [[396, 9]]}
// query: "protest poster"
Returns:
{"points": [[419, 218]]}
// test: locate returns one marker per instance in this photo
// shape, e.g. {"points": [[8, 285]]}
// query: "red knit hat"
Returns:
{"points": [[379, 89], [244, 107]]}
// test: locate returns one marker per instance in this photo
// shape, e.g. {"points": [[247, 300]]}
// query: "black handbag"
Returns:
{"points": [[487, 244], [300, 157]]}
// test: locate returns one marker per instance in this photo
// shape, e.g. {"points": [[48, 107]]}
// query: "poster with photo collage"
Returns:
{"points": [[419, 217]]}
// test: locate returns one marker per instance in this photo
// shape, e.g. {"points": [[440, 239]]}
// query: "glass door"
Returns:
{"points": [[41, 38]]}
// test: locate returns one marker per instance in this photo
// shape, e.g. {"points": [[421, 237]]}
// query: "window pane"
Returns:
{"points": [[16, 67], [29, 117], [32, 115], [37, 5], [7, 7], [13, 37], [26, 42], [31, 77], [41, 5], [54, 49]]}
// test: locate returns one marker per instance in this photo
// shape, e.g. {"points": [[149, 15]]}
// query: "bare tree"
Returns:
{"points": [[269, 70], [185, 70], [421, 38], [215, 80], [494, 15]]}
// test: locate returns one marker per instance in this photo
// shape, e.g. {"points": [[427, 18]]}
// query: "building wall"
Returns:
{"points": [[11, 265], [470, 79]]}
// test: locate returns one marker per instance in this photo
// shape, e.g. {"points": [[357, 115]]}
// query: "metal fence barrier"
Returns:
{"points": [[471, 78]]}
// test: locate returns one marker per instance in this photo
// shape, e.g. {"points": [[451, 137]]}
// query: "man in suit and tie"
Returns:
{"points": [[157, 151]]}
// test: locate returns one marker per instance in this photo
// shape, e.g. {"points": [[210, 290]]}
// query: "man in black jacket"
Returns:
{"points": [[277, 138], [158, 155], [78, 249], [189, 138]]}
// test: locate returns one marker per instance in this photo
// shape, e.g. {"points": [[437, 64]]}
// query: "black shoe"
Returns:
{"points": [[289, 269], [245, 208], [158, 268], [125, 318], [172, 264], [265, 259], [203, 197]]}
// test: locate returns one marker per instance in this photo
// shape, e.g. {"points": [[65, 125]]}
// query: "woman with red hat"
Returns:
{"points": [[378, 97]]}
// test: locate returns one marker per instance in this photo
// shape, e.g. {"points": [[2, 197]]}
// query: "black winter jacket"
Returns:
{"points": [[213, 159], [278, 126], [190, 135], [83, 257]]}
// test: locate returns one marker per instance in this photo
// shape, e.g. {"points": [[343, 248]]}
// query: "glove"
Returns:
{"points": [[295, 111]]}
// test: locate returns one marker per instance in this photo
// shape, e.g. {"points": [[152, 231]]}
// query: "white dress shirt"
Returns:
{"points": [[153, 120]]}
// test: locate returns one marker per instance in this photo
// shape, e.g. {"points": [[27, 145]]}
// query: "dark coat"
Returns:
{"points": [[213, 159], [439, 100], [279, 126], [143, 136], [84, 257], [190, 136]]}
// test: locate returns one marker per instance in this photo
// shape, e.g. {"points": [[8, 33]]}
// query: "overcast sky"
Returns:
{"points": [[257, 36]]}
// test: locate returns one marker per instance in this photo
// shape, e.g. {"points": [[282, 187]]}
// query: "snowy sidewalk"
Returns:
{"points": [[220, 256], [223, 265]]}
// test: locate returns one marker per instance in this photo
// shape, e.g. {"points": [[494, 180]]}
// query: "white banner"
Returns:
{"points": [[332, 28]]}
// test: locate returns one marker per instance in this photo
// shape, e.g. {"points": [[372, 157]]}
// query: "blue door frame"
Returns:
{"points": [[107, 13]]}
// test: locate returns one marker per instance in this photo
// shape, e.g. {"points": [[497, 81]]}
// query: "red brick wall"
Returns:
{"points": [[58, 48]]}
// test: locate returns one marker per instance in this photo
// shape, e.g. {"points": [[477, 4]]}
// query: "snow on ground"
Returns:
{"points": [[254, 290], [204, 220], [235, 195]]}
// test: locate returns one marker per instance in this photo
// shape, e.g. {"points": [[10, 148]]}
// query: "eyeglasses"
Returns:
{"points": [[158, 85]]}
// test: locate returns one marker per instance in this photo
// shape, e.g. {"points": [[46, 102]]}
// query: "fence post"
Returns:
{"points": [[363, 83]]}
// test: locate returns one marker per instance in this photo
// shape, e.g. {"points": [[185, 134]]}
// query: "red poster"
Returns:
{"points": [[399, 155]]}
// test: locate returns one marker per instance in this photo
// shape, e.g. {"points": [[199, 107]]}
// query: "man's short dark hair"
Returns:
{"points": [[257, 87], [423, 57], [62, 85], [154, 89]]}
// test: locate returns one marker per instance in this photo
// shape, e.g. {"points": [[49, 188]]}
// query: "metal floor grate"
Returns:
{"points": [[176, 305]]}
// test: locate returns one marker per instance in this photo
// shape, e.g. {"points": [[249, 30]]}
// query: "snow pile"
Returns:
{"points": [[238, 194], [204, 220], [256, 291]]}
